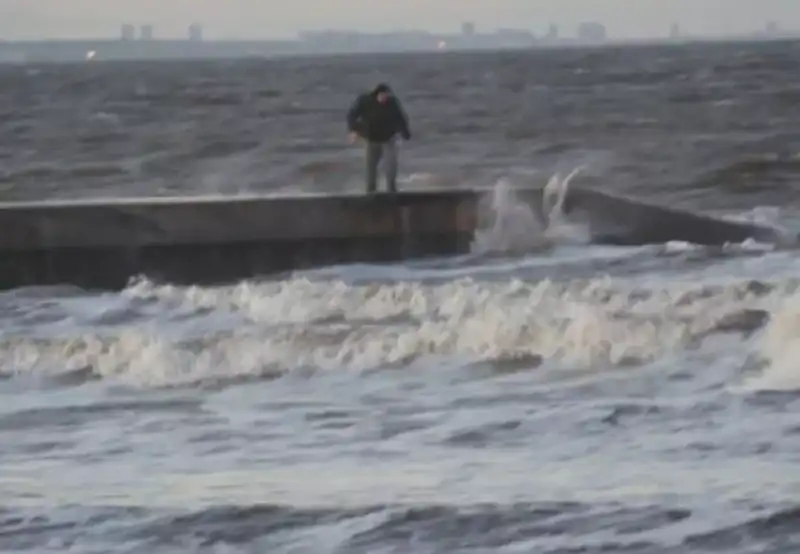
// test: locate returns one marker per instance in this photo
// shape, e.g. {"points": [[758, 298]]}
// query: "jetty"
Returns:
{"points": [[104, 243], [212, 240]]}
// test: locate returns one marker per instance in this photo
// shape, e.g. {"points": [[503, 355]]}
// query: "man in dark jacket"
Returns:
{"points": [[377, 117]]}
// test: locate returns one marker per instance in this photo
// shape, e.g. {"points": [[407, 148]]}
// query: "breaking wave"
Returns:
{"points": [[277, 327]]}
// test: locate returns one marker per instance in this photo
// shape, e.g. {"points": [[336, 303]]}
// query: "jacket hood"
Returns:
{"points": [[383, 87]]}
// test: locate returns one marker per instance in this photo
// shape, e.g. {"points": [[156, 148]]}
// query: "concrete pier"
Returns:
{"points": [[102, 244], [211, 240]]}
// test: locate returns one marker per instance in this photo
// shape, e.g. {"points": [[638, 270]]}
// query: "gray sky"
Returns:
{"points": [[276, 18]]}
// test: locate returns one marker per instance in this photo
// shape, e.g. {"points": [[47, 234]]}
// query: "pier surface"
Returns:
{"points": [[212, 240]]}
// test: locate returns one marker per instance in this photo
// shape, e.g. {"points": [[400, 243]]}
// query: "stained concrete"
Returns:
{"points": [[213, 240], [625, 221], [103, 244]]}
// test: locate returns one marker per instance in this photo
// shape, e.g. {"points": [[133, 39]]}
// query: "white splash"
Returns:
{"points": [[780, 349], [559, 227], [514, 226]]}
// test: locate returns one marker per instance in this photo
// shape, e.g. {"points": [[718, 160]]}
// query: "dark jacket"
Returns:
{"points": [[376, 122]]}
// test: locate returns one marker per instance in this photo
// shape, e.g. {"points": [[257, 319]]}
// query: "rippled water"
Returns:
{"points": [[569, 399]]}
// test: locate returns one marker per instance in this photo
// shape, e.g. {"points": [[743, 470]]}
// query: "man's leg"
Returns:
{"points": [[391, 153], [373, 158]]}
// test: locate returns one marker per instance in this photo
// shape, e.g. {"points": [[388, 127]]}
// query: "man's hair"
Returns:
{"points": [[382, 87]]}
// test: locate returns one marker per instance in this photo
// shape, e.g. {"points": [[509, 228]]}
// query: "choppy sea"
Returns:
{"points": [[562, 399]]}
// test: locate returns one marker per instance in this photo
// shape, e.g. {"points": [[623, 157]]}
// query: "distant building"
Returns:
{"points": [[468, 29], [771, 28], [146, 32], [195, 32], [675, 31], [552, 33], [514, 38], [127, 32], [591, 32]]}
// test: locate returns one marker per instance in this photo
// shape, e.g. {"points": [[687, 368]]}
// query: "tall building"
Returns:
{"points": [[127, 32], [195, 32], [468, 29], [552, 32], [146, 32], [675, 31], [591, 32]]}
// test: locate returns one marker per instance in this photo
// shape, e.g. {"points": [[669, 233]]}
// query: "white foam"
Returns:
{"points": [[591, 324], [780, 349], [680, 246]]}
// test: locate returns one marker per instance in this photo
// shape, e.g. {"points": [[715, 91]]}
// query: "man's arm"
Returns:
{"points": [[354, 114], [402, 118]]}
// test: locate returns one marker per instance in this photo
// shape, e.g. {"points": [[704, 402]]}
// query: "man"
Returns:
{"points": [[377, 117]]}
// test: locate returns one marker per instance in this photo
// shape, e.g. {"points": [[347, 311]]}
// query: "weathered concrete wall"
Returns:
{"points": [[103, 244], [624, 221]]}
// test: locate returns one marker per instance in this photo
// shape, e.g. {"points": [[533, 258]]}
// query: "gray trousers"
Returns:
{"points": [[377, 152]]}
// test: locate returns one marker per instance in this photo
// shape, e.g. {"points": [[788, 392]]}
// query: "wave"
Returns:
{"points": [[547, 527], [300, 324], [781, 350]]}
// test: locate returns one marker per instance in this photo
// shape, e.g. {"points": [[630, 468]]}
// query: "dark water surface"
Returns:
{"points": [[575, 399], [694, 124]]}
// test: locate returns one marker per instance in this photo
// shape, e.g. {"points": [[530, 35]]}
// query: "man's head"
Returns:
{"points": [[382, 92]]}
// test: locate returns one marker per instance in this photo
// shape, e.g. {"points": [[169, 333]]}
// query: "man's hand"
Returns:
{"points": [[352, 137]]}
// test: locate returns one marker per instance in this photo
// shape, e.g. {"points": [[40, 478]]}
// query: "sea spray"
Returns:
{"points": [[510, 225]]}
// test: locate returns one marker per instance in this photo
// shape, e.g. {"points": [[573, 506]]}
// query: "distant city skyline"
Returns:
{"points": [[36, 19]]}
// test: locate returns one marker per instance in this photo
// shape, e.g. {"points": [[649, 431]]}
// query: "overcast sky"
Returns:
{"points": [[278, 18]]}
